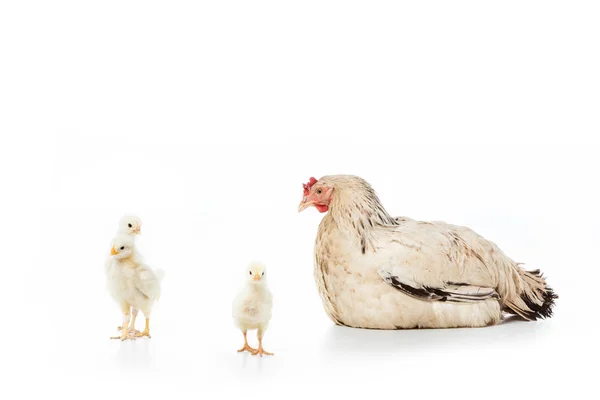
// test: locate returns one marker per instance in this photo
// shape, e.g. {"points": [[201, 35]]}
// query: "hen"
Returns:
{"points": [[376, 271]]}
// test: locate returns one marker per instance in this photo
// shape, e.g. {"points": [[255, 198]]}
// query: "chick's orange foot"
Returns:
{"points": [[142, 334], [260, 351], [248, 349], [126, 334], [131, 331]]}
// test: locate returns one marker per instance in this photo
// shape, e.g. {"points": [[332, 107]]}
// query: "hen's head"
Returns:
{"points": [[130, 225], [122, 247], [317, 194]]}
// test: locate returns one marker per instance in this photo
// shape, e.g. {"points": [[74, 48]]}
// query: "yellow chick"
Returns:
{"points": [[128, 225], [136, 286], [252, 307]]}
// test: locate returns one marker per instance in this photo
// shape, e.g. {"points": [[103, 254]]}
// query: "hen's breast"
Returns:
{"points": [[349, 286]]}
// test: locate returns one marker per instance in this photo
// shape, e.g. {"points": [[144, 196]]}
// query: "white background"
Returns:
{"points": [[205, 119]]}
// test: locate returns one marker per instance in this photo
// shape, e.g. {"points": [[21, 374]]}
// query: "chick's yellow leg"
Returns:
{"points": [[246, 345], [126, 309], [132, 330], [146, 331], [134, 313], [260, 351]]}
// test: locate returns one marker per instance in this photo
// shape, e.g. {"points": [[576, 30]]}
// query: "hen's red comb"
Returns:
{"points": [[308, 185]]}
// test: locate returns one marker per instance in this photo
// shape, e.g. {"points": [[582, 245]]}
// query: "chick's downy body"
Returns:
{"points": [[133, 284], [252, 307], [129, 225], [138, 285]]}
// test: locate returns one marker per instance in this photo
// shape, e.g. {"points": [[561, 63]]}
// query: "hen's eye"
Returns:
{"points": [[122, 247], [129, 225], [319, 191]]}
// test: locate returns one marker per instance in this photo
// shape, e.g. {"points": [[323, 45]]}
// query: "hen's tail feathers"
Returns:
{"points": [[531, 297], [160, 274]]}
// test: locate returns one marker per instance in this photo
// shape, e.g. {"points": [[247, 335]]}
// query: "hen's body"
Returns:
{"points": [[375, 271], [354, 293]]}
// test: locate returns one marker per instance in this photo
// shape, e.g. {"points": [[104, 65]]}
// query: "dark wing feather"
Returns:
{"points": [[451, 291]]}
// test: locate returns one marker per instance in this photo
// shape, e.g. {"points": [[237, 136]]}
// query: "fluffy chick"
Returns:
{"points": [[252, 307], [133, 284], [128, 225]]}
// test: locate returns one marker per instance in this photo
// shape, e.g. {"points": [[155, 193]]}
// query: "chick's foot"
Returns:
{"points": [[260, 351], [131, 331], [142, 334], [124, 336], [247, 348]]}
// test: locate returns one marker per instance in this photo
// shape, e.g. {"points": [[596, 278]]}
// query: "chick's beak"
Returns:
{"points": [[256, 277], [113, 251], [137, 231]]}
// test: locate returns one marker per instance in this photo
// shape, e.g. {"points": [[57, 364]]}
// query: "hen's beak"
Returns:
{"points": [[256, 277], [113, 251], [304, 204]]}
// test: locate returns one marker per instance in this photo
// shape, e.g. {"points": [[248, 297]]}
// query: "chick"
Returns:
{"points": [[252, 307], [134, 284], [128, 225]]}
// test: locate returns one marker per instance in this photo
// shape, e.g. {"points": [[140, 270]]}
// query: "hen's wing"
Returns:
{"points": [[147, 283], [457, 292], [435, 261]]}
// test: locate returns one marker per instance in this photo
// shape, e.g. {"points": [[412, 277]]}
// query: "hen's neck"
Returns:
{"points": [[359, 211]]}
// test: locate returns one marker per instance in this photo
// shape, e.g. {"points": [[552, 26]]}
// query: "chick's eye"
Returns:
{"points": [[250, 272], [129, 225], [122, 247], [263, 274], [319, 191]]}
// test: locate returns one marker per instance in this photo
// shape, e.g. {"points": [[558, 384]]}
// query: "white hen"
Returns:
{"points": [[376, 271], [252, 307], [133, 283]]}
